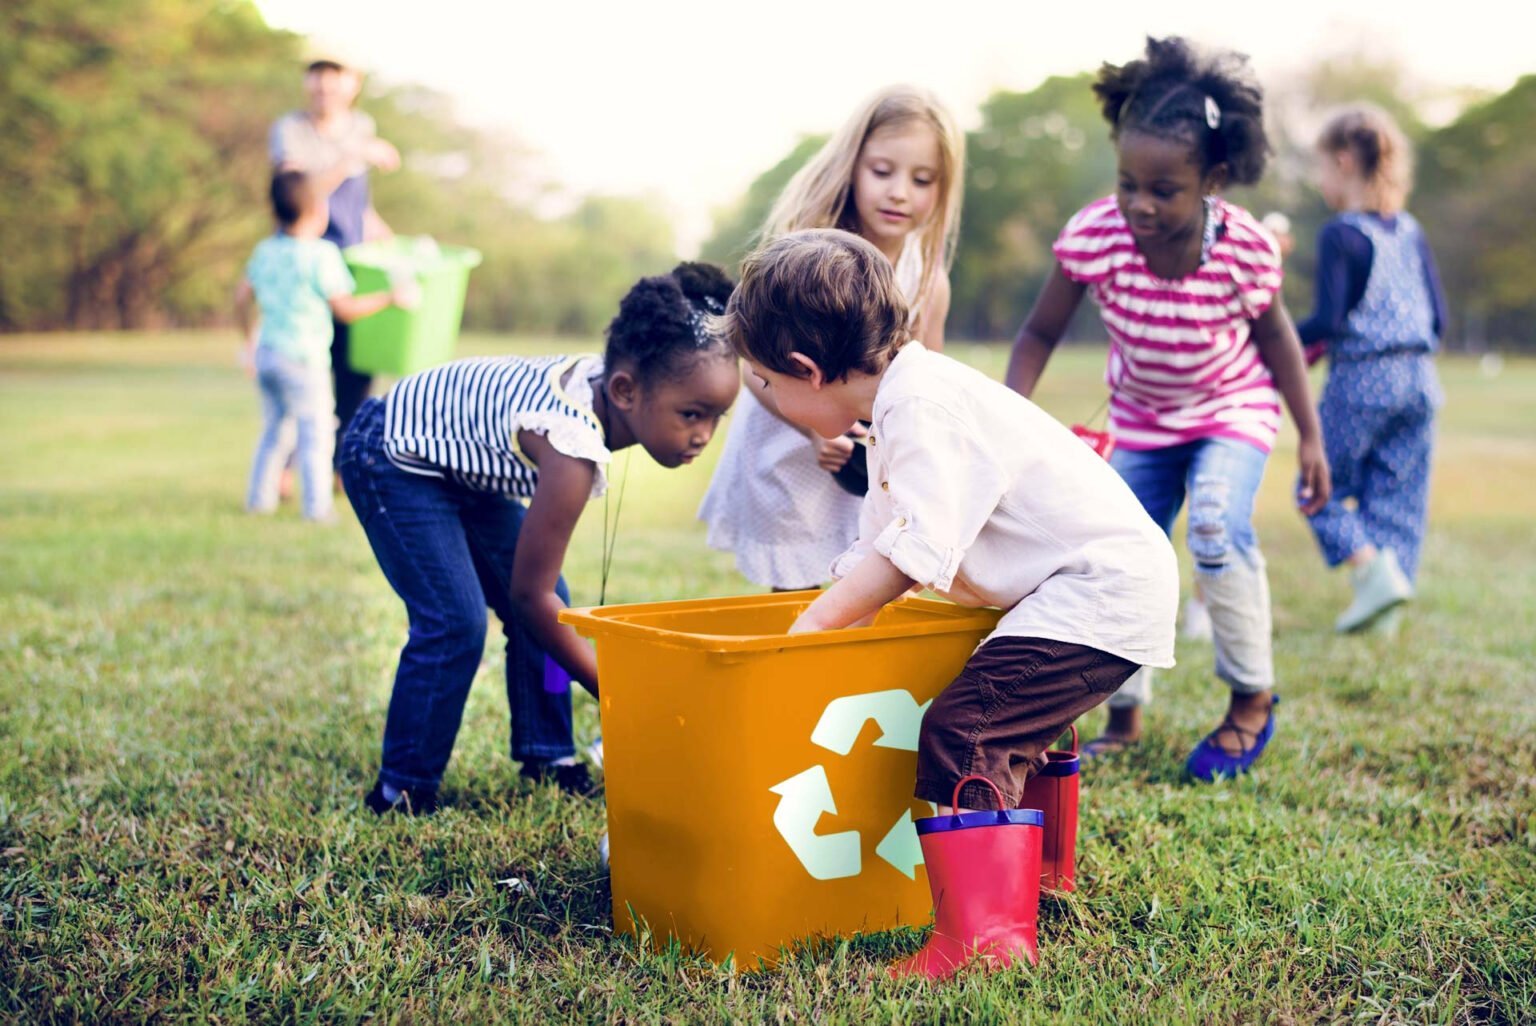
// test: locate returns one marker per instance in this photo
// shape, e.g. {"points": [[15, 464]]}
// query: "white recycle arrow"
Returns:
{"points": [[901, 848], [803, 799], [897, 713]]}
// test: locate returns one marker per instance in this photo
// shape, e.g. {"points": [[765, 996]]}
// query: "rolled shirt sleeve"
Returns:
{"points": [[938, 486]]}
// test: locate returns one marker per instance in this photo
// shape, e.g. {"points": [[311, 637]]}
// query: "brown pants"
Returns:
{"points": [[1014, 697]]}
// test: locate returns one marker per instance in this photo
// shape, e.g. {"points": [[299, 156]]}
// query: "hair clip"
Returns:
{"points": [[1212, 114]]}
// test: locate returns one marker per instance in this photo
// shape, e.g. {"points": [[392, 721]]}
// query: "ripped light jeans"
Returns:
{"points": [[1219, 477]]}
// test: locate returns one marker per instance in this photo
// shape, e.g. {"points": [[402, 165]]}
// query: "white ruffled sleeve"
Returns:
{"points": [[581, 437]]}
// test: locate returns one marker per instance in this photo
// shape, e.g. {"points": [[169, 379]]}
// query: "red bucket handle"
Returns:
{"points": [[1073, 729], [954, 800]]}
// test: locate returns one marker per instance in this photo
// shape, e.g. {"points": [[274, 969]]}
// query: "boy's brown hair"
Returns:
{"points": [[292, 194], [822, 292]]}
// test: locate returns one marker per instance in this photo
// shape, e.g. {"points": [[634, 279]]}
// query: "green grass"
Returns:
{"points": [[191, 701]]}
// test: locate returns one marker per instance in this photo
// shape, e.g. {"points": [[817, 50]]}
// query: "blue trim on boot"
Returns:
{"points": [[1209, 761]]}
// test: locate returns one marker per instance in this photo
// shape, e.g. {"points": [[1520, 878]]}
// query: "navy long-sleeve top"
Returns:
{"points": [[1344, 257]]}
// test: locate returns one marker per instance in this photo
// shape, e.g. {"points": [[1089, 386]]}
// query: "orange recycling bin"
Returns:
{"points": [[759, 785]]}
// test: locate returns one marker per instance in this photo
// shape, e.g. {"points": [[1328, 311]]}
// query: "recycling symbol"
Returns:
{"points": [[804, 797]]}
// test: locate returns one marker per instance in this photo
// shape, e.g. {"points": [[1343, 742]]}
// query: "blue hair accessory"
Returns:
{"points": [[1212, 114]]}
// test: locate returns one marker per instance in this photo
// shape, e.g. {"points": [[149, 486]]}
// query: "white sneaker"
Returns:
{"points": [[1379, 586], [1197, 620]]}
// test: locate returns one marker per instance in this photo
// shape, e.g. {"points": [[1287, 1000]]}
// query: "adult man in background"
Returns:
{"points": [[336, 146]]}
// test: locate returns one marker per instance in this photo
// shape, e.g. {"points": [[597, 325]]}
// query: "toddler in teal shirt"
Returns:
{"points": [[299, 282]]}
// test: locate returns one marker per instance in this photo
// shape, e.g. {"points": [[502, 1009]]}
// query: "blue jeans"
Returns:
{"points": [[447, 551], [1219, 477], [292, 392]]}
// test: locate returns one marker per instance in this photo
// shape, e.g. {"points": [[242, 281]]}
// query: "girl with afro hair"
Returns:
{"points": [[1188, 286], [439, 470]]}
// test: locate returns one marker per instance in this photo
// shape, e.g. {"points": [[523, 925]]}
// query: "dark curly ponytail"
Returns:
{"points": [[1212, 102], [664, 322]]}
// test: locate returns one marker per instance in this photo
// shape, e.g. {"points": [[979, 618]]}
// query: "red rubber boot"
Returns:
{"points": [[1054, 791], [984, 871]]}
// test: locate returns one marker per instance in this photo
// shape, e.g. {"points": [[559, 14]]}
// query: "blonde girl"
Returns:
{"points": [[892, 174], [1379, 314]]}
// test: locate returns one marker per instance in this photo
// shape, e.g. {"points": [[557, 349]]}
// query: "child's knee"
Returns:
{"points": [[454, 631], [1217, 529]]}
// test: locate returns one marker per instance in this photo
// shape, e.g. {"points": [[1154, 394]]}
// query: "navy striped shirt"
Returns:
{"points": [[460, 421]]}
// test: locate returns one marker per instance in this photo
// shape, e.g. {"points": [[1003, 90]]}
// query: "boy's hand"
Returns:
{"points": [[832, 454], [407, 296], [404, 290], [1314, 485]]}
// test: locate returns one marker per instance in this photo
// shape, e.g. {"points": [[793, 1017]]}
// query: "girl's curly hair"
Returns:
{"points": [[1176, 91], [664, 322]]}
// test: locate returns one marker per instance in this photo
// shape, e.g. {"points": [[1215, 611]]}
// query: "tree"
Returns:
{"points": [[736, 229], [1473, 198], [130, 125], [1037, 158]]}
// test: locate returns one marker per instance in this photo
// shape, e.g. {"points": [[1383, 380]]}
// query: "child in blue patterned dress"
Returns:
{"points": [[1379, 314]]}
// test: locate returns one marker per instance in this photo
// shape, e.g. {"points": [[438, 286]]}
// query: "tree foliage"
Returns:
{"points": [[133, 179], [1473, 197], [129, 128], [134, 170]]}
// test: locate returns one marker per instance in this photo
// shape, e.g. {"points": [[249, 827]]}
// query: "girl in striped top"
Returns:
{"points": [[439, 471], [1188, 288]]}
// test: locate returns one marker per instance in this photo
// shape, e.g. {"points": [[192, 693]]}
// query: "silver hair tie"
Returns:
{"points": [[698, 318], [1212, 114]]}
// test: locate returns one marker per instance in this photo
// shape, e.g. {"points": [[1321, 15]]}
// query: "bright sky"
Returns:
{"points": [[689, 100]]}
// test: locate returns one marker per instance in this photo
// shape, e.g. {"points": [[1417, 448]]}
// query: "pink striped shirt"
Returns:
{"points": [[1182, 363]]}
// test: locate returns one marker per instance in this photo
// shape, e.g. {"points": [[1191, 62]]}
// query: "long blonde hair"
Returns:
{"points": [[820, 195], [1381, 151]]}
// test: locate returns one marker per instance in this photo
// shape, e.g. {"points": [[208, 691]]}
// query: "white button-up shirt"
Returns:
{"points": [[977, 493]]}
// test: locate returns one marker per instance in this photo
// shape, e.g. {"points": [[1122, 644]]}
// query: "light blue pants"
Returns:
{"points": [[298, 394], [1219, 477]]}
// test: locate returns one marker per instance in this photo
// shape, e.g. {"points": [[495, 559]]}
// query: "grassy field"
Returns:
{"points": [[191, 700]]}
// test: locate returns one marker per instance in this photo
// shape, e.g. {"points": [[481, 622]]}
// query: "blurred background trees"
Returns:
{"points": [[133, 175]]}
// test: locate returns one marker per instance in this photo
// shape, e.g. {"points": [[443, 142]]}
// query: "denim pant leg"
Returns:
{"points": [[1223, 479], [271, 450], [1157, 478], [350, 387], [313, 409], [413, 524], [300, 393], [541, 716]]}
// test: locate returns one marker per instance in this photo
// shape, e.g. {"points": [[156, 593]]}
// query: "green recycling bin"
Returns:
{"points": [[400, 342]]}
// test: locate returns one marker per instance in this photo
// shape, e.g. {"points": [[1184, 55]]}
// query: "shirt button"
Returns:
{"points": [[901, 521], [885, 486], [871, 439]]}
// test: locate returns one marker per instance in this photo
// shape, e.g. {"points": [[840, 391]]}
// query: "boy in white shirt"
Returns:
{"points": [[976, 493]]}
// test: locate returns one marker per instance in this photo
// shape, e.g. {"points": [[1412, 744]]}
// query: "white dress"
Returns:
{"points": [[769, 502]]}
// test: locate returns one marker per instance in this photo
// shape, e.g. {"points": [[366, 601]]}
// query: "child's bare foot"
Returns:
{"points": [[1238, 741], [1121, 731], [1248, 714]]}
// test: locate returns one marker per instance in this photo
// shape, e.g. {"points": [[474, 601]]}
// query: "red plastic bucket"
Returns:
{"points": [[1054, 791]]}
